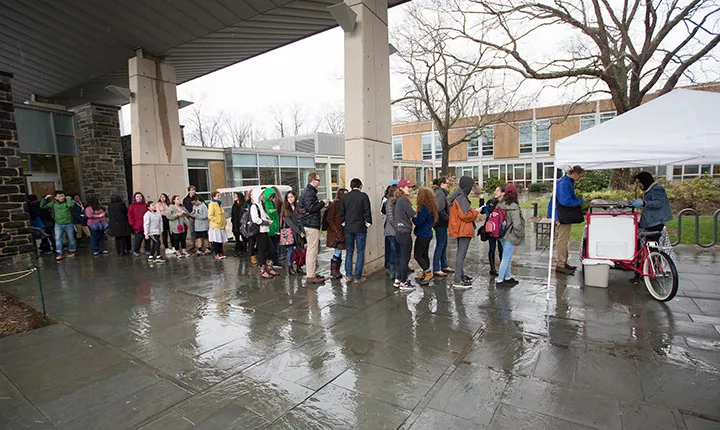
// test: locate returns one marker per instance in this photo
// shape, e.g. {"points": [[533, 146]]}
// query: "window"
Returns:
{"points": [[244, 160], [320, 169], [587, 121], [426, 146], [518, 174], [335, 179], [243, 176], [199, 176], [542, 136], [289, 176], [268, 176], [526, 146], [606, 116], [693, 171], [545, 172], [473, 147], [397, 147], [488, 141]]}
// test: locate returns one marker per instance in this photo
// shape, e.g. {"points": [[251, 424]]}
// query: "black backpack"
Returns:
{"points": [[247, 227]]}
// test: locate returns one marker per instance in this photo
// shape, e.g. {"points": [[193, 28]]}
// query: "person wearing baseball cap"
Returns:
{"points": [[514, 235], [403, 214], [393, 182]]}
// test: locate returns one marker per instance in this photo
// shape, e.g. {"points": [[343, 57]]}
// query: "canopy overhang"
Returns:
{"points": [[68, 51]]}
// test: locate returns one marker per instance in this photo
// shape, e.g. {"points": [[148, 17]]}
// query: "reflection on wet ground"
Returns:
{"points": [[204, 344]]}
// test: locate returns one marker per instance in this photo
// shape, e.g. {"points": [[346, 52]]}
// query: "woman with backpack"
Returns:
{"points": [[513, 237], [462, 228], [236, 213], [335, 234], [493, 242]]}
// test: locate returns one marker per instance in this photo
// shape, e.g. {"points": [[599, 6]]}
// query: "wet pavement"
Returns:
{"points": [[199, 344]]}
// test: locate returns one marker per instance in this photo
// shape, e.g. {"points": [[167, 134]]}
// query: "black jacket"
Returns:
{"points": [[443, 208], [188, 203], [78, 214], [235, 215], [355, 212], [309, 208], [118, 225]]}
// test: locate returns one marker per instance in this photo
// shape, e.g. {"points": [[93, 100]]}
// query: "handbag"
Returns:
{"points": [[298, 256], [569, 215], [287, 237], [482, 233]]}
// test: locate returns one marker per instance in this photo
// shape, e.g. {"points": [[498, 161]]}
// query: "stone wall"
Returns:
{"points": [[15, 238], [100, 153]]}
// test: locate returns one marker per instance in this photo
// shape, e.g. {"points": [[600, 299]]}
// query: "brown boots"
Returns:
{"points": [[335, 269]]}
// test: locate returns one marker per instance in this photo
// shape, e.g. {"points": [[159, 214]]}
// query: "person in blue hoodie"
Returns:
{"points": [[656, 206], [565, 197], [427, 216]]}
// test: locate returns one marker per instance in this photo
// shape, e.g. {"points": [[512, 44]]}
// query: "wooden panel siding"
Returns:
{"points": [[458, 153], [506, 141], [412, 147], [410, 128], [562, 129], [217, 175]]}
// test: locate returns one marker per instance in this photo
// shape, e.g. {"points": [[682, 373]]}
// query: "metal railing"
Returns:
{"points": [[693, 212]]}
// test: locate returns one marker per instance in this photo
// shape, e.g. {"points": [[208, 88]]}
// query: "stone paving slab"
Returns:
{"points": [[197, 344]]}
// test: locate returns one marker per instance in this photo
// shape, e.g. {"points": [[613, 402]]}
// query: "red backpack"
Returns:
{"points": [[496, 224]]}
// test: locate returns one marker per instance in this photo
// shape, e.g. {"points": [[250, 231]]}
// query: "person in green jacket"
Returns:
{"points": [[271, 204], [63, 222]]}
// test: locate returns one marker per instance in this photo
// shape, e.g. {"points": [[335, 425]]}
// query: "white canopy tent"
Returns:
{"points": [[680, 127]]}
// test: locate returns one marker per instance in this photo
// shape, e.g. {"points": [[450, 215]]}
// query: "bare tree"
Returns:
{"points": [[290, 120], [443, 86], [332, 120], [205, 129], [632, 47], [241, 132], [279, 123]]}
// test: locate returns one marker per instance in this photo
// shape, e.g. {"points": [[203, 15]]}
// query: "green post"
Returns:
{"points": [[42, 297]]}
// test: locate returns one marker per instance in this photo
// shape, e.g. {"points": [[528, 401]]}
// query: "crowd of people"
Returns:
{"points": [[270, 228]]}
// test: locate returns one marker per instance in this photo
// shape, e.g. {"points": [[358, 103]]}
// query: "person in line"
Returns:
{"points": [[441, 187], [153, 228], [79, 219], [136, 211], [356, 216], [64, 227], [251, 241], [187, 202], [565, 197], [403, 214], [36, 221], [461, 226], [218, 234], [260, 217], [388, 246], [270, 204], [236, 213], [427, 216], [296, 234], [335, 234], [97, 223], [493, 242], [514, 235], [178, 217], [279, 206], [202, 225], [310, 209], [389, 231], [162, 205], [118, 225]]}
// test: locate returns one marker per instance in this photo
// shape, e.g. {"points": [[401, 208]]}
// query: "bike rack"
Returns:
{"points": [[690, 211]]}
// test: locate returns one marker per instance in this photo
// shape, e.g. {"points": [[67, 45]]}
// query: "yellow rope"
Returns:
{"points": [[24, 274]]}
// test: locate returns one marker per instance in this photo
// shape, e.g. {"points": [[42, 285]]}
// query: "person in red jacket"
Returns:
{"points": [[136, 212]]}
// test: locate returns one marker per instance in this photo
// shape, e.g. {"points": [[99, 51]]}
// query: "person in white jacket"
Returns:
{"points": [[262, 240], [153, 229]]}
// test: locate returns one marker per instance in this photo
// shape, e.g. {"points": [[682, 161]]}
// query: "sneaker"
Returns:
{"points": [[150, 258], [71, 255], [136, 254], [218, 258], [159, 260], [512, 281], [277, 266], [169, 251], [59, 257], [448, 270], [440, 274], [505, 284], [426, 278], [95, 254], [360, 281], [467, 279], [397, 283], [271, 270], [564, 271], [463, 285], [104, 252], [407, 286]]}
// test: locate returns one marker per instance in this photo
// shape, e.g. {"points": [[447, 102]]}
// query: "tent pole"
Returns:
{"points": [[553, 199]]}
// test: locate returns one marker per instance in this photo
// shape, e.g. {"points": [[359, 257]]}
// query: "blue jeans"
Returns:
{"points": [[290, 249], [337, 254], [393, 251], [351, 240], [64, 230], [440, 256], [97, 237], [508, 250]]}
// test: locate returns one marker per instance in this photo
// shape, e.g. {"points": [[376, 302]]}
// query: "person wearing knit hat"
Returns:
{"points": [[461, 226], [514, 235]]}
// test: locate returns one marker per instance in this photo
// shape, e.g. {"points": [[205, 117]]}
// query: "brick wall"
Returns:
{"points": [[15, 239], [100, 152]]}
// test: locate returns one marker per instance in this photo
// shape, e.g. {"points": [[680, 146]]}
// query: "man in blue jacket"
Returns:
{"points": [[566, 197]]}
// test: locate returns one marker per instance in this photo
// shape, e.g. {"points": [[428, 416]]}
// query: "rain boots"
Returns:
{"points": [[335, 269], [493, 271]]}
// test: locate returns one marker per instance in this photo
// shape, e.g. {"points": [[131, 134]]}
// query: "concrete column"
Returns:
{"points": [[100, 152], [15, 239], [157, 164], [368, 122]]}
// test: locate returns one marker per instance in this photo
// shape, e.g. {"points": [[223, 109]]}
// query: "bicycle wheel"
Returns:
{"points": [[662, 283]]}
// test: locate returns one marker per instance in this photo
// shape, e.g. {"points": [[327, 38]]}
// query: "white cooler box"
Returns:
{"points": [[596, 272], [611, 237]]}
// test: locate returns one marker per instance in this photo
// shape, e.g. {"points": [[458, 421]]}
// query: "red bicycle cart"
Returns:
{"points": [[612, 233]]}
